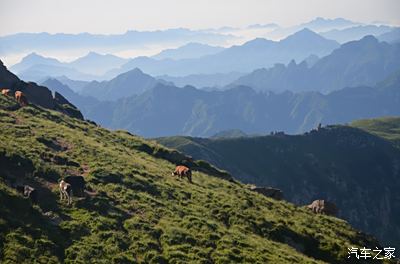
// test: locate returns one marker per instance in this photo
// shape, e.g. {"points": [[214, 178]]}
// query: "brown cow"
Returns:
{"points": [[21, 98], [323, 207], [6, 92], [183, 171]]}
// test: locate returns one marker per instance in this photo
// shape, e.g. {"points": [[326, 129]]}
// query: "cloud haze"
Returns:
{"points": [[101, 16]]}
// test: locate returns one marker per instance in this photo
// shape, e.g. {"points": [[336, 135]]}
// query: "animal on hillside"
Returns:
{"points": [[6, 92], [21, 98], [65, 191], [28, 192], [183, 171], [323, 207], [77, 184]]}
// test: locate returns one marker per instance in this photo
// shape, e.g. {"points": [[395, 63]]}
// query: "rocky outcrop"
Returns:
{"points": [[273, 193], [36, 94]]}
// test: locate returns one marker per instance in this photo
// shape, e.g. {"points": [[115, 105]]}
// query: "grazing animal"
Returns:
{"points": [[21, 98], [323, 207], [183, 171], [77, 184], [28, 192], [65, 191], [6, 92]]}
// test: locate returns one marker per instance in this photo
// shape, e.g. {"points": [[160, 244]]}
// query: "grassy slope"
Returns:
{"points": [[138, 212], [386, 127], [357, 170]]}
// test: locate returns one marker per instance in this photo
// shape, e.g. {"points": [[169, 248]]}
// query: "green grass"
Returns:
{"points": [[355, 169], [385, 127], [138, 212]]}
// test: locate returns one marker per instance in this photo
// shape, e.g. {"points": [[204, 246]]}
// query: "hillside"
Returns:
{"points": [[135, 211], [36, 94], [385, 127], [357, 170]]}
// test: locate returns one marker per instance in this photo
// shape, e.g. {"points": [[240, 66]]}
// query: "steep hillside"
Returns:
{"points": [[135, 211], [357, 170], [37, 94], [385, 127]]}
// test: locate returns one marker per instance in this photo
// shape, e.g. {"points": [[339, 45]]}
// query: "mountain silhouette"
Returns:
{"points": [[355, 63], [188, 51], [124, 85], [251, 55]]}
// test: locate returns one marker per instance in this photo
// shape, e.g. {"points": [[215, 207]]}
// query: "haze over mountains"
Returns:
{"points": [[166, 110], [258, 86], [188, 51], [189, 59], [251, 55], [194, 55], [23, 42], [35, 67]]}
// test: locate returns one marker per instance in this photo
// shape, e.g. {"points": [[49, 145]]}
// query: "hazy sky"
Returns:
{"points": [[117, 16]]}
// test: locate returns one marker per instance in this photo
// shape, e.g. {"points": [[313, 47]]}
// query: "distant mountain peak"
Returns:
{"points": [[369, 38], [34, 56], [306, 35], [93, 54], [305, 32], [135, 71], [257, 42]]}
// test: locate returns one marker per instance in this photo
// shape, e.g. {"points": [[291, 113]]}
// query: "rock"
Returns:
{"points": [[274, 193], [54, 219]]}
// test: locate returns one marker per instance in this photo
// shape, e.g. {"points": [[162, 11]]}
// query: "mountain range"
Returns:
{"points": [[130, 83], [139, 103], [201, 65], [251, 55], [356, 32], [362, 62], [189, 51], [203, 81], [195, 61], [35, 67], [166, 110], [42, 42]]}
